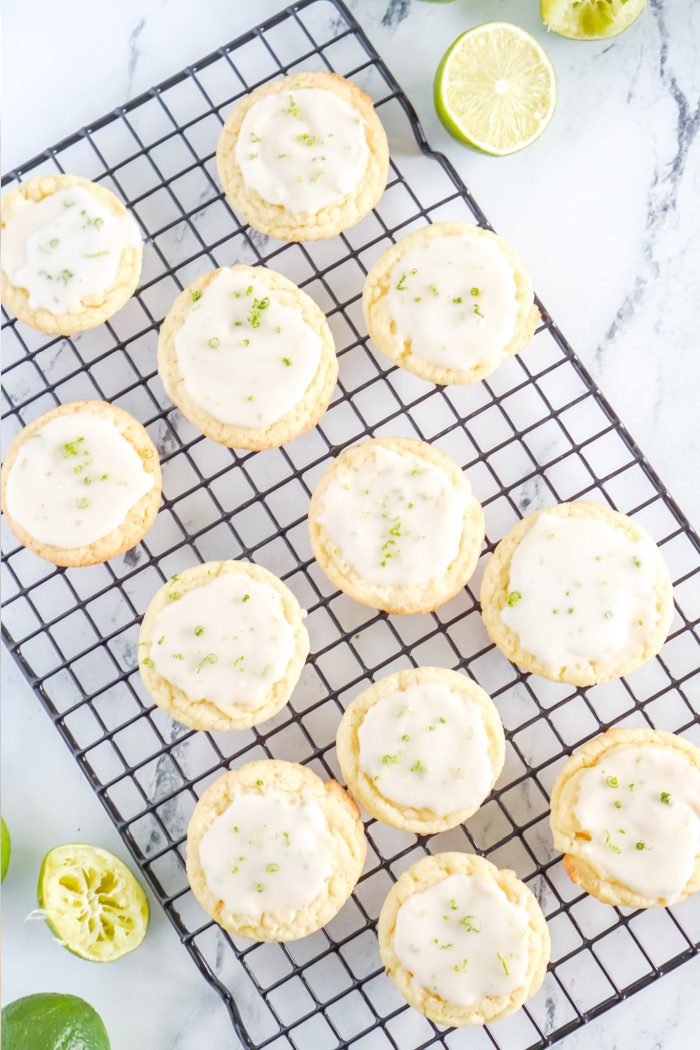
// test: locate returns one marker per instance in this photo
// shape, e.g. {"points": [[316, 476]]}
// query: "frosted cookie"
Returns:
{"points": [[247, 357], [450, 302], [577, 593], [273, 851], [394, 524], [222, 645], [303, 157], [465, 942], [81, 484], [625, 811], [71, 253], [421, 749]]}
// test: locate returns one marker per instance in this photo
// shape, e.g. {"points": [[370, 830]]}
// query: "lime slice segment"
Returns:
{"points": [[495, 89], [49, 1021], [590, 19], [92, 902], [6, 847]]}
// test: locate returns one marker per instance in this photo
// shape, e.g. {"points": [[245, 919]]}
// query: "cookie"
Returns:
{"points": [[222, 645], [577, 593], [71, 254], [303, 157], [394, 524], [625, 811], [81, 484], [273, 851], [449, 302], [247, 357], [465, 942], [421, 749]]}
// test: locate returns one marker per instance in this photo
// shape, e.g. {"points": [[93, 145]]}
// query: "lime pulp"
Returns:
{"points": [[590, 19]]}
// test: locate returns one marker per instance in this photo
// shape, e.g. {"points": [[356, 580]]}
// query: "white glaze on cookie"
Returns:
{"points": [[396, 519], [454, 299], [304, 150], [65, 249], [463, 940], [426, 747], [227, 641], [75, 480], [639, 814], [245, 358], [265, 853], [580, 589]]}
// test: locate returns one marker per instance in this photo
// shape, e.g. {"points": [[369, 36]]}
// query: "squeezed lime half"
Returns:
{"points": [[49, 1021], [92, 902], [495, 89], [590, 19]]}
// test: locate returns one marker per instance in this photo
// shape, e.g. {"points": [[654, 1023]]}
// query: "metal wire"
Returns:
{"points": [[538, 431]]}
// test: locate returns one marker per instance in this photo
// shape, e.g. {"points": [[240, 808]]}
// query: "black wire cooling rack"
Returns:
{"points": [[536, 432]]}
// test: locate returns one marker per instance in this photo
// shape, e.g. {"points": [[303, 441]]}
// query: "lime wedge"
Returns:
{"points": [[49, 1021], [92, 902], [495, 89], [590, 19], [6, 846]]}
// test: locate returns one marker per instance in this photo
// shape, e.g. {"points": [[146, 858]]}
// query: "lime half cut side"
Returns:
{"points": [[495, 89], [92, 902], [590, 19]]}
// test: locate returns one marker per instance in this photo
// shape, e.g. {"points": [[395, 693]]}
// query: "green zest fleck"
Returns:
{"points": [[390, 760], [641, 845], [514, 597], [475, 291], [470, 923], [453, 904], [254, 137], [69, 448], [612, 782], [245, 598], [259, 783], [461, 967], [433, 289], [402, 283], [272, 868], [503, 963], [636, 562], [307, 140], [82, 502], [54, 242], [419, 768], [178, 656], [611, 845], [198, 631], [210, 658], [213, 342], [405, 738], [256, 309], [161, 640], [246, 342], [286, 362], [457, 299], [259, 887], [195, 296], [285, 836], [292, 109], [147, 661], [665, 798], [618, 804]]}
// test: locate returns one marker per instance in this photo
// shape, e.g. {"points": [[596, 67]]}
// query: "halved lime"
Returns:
{"points": [[495, 89], [49, 1021], [6, 845], [590, 19], [92, 902]]}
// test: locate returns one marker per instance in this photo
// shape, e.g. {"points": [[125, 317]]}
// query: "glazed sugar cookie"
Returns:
{"points": [[394, 524], [71, 253], [577, 593], [273, 851], [465, 942], [625, 811], [450, 302], [81, 484], [303, 157], [247, 357], [222, 645], [421, 749]]}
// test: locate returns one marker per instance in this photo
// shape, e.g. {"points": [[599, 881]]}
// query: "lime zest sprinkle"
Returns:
{"points": [[612, 782], [82, 502], [470, 923], [196, 295], [503, 964], [214, 342], [611, 845], [418, 768], [514, 597], [198, 631], [210, 658], [272, 867], [665, 798]]}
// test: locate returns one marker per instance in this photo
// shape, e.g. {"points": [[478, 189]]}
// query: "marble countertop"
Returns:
{"points": [[605, 211]]}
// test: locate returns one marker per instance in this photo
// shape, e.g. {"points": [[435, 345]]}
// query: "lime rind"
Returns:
{"points": [[92, 902], [590, 19], [52, 1020], [6, 847], [496, 53]]}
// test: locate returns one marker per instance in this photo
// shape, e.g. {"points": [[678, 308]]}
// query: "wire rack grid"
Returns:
{"points": [[536, 432]]}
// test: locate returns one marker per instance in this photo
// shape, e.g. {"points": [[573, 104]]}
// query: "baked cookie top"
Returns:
{"points": [[466, 942], [273, 851], [75, 477], [71, 248], [304, 156], [449, 302], [577, 592], [222, 645], [247, 356], [421, 749], [626, 811], [394, 523]]}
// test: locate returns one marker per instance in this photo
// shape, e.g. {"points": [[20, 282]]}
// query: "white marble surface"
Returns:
{"points": [[604, 210]]}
